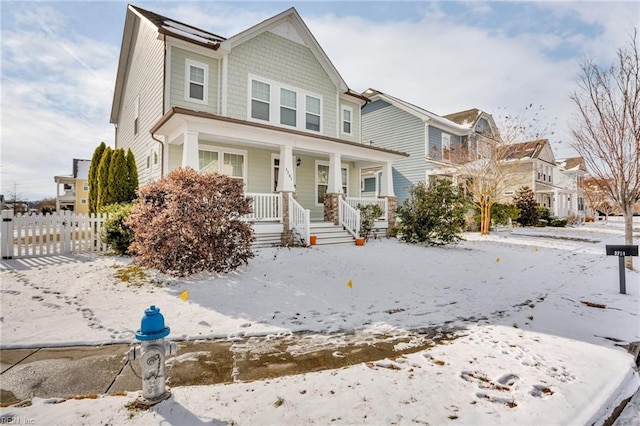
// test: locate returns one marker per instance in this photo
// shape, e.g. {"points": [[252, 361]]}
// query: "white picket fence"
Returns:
{"points": [[29, 235]]}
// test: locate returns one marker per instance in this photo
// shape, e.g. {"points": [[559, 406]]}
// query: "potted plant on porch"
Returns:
{"points": [[368, 215]]}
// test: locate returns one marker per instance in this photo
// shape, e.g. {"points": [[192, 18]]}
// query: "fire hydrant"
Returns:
{"points": [[151, 354]]}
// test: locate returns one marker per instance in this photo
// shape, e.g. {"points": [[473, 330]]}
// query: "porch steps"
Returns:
{"points": [[329, 234], [267, 240]]}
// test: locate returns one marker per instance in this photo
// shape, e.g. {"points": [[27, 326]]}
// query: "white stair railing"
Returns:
{"points": [[265, 207], [365, 201], [349, 217], [299, 220]]}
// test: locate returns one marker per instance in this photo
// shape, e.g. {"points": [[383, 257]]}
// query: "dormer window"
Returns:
{"points": [[196, 79]]}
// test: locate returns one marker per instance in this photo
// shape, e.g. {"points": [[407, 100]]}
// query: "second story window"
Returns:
{"points": [[313, 113], [346, 120], [196, 78], [446, 147], [288, 107], [260, 100]]}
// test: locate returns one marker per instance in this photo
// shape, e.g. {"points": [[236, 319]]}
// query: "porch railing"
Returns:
{"points": [[382, 202], [265, 207], [349, 217], [299, 220]]}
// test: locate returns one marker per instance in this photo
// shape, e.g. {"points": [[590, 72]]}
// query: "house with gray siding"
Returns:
{"points": [[433, 142], [265, 106]]}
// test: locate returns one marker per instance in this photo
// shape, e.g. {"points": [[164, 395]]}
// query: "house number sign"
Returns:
{"points": [[621, 251]]}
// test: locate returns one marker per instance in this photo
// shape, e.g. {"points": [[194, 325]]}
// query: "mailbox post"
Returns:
{"points": [[621, 251]]}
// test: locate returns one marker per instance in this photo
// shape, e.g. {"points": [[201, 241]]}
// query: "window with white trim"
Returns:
{"points": [[312, 113], [233, 162], [322, 181], [136, 114], [288, 111], [281, 105], [85, 186], [446, 147], [347, 114], [196, 81], [260, 100]]}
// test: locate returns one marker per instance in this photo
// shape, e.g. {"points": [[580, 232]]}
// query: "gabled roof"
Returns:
{"points": [[191, 34], [467, 118], [421, 113], [302, 33], [526, 150], [81, 168], [574, 163]]}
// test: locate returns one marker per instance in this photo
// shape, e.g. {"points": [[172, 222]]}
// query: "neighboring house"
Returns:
{"points": [[75, 188], [265, 106], [435, 143], [557, 184]]}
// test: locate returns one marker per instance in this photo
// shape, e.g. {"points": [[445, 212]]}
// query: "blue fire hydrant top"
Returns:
{"points": [[152, 325]]}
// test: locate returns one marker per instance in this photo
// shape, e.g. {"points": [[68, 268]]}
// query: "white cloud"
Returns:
{"points": [[56, 94]]}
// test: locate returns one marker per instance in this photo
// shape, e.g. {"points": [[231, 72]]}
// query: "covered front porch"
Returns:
{"points": [[293, 177]]}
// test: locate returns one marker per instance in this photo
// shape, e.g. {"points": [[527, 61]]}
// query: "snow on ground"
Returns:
{"points": [[532, 352]]}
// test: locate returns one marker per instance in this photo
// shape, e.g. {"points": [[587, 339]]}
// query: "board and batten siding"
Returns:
{"points": [[143, 80], [281, 60], [177, 84], [386, 126]]}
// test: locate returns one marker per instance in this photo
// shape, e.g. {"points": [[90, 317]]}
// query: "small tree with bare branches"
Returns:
{"points": [[606, 130]]}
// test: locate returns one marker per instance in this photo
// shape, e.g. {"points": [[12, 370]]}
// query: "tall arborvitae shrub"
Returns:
{"points": [[433, 214], [132, 177], [104, 197], [525, 201], [93, 177], [189, 222], [118, 177]]}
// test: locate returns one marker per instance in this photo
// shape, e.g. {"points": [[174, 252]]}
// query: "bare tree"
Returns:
{"points": [[606, 132], [482, 163]]}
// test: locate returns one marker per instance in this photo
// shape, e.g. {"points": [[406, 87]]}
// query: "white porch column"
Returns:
{"points": [[57, 197], [285, 171], [190, 151], [556, 203], [386, 184], [334, 186]]}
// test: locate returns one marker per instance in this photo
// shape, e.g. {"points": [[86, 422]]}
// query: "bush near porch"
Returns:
{"points": [[190, 222]]}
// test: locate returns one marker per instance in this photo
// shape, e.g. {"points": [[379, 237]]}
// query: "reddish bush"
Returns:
{"points": [[190, 222]]}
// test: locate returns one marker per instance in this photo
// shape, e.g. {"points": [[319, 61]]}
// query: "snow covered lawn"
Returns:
{"points": [[540, 312]]}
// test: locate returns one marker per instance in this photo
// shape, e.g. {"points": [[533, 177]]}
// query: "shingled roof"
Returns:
{"points": [[465, 118], [572, 163], [180, 30], [522, 150]]}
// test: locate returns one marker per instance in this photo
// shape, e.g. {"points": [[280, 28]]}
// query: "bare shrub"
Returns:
{"points": [[190, 222]]}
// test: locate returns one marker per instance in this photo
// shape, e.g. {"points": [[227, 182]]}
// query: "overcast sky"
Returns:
{"points": [[59, 63]]}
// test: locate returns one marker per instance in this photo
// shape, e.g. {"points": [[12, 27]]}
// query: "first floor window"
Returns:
{"points": [[234, 165], [312, 113], [260, 100], [208, 161], [322, 179], [218, 160]]}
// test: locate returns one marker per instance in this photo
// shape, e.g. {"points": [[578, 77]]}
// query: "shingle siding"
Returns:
{"points": [[144, 79], [387, 126], [177, 84], [276, 58]]}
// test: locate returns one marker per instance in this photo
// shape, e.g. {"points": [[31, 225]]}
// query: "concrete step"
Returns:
{"points": [[329, 234]]}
